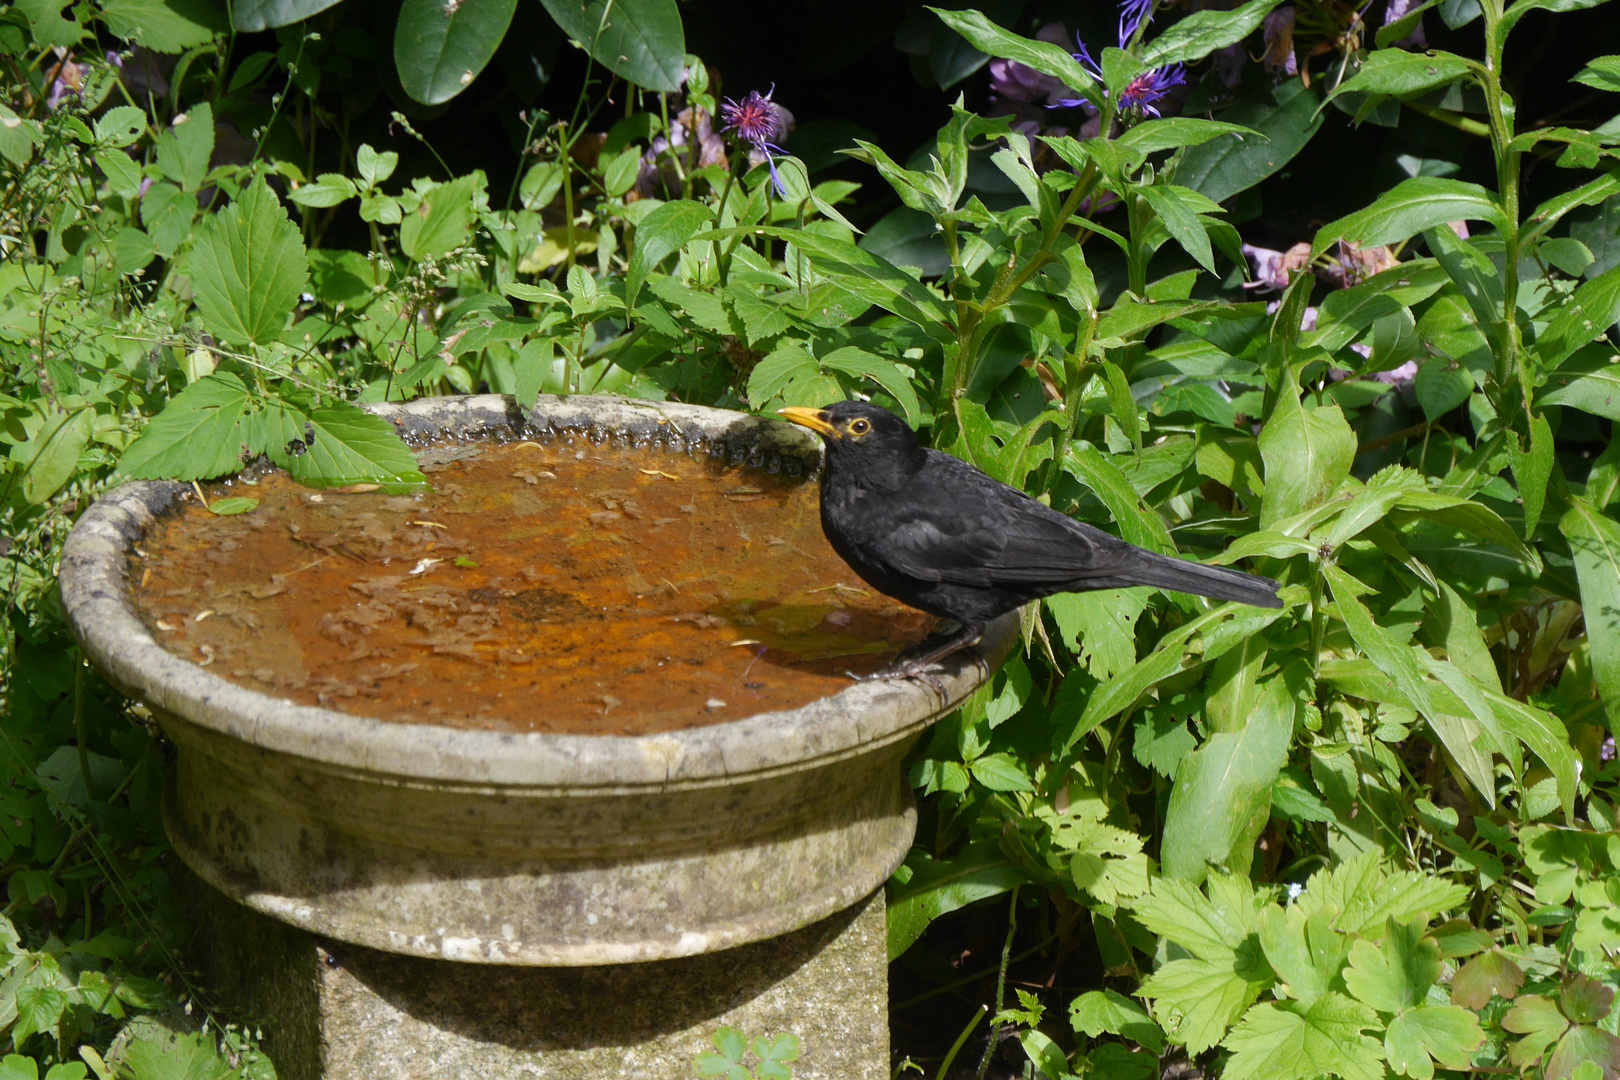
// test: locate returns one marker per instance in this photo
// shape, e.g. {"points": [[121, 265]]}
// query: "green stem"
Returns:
{"points": [[79, 732], [1511, 363], [1001, 982]]}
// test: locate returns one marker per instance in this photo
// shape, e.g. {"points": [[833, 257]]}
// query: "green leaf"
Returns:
{"points": [[1532, 469], [248, 268], [1285, 118], [1100, 627], [254, 15], [164, 26], [1222, 794], [1441, 385], [1403, 74], [1395, 975], [1539, 1021], [50, 457], [1275, 1042], [120, 126], [1447, 1034], [1138, 523], [640, 41], [1203, 32], [860, 364], [1179, 219], [1594, 541], [1212, 928], [46, 24], [1475, 277], [169, 1056], [1398, 662], [1584, 1046], [1602, 73], [1584, 317], [937, 887], [199, 435], [440, 48], [1098, 1011], [1000, 772], [1304, 950], [1198, 1000], [349, 446], [1042, 56], [1413, 205], [1174, 132], [328, 189], [233, 506], [1307, 456], [183, 148], [1490, 974], [659, 235], [444, 218], [1591, 387], [1511, 17]]}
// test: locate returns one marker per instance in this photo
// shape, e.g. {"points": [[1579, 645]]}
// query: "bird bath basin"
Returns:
{"points": [[588, 733]]}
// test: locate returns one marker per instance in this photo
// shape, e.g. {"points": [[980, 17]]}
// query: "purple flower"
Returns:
{"points": [[1278, 31], [1144, 90], [757, 122]]}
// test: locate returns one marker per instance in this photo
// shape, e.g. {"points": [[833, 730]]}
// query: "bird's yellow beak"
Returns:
{"points": [[814, 419]]}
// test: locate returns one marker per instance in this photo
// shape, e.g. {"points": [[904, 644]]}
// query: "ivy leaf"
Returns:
{"points": [[1278, 1041], [248, 267], [1448, 1034], [200, 434]]}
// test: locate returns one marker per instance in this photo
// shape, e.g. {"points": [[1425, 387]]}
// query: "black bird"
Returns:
{"points": [[936, 533]]}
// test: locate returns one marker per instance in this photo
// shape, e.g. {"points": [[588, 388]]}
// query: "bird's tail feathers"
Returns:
{"points": [[1216, 582]]}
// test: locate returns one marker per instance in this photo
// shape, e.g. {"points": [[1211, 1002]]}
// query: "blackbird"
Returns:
{"points": [[937, 534]]}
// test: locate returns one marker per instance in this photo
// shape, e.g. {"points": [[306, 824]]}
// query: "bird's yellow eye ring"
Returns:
{"points": [[860, 427]]}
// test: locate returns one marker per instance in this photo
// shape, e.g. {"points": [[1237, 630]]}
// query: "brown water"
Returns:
{"points": [[534, 588]]}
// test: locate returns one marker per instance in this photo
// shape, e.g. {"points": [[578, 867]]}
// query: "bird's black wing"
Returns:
{"points": [[973, 530]]}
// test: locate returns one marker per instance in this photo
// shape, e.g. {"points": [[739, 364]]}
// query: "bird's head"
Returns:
{"points": [[870, 442]]}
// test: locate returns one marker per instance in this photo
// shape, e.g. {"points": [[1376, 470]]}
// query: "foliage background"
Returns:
{"points": [[1373, 834]]}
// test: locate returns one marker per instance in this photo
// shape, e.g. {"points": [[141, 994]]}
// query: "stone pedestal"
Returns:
{"points": [[331, 1011]]}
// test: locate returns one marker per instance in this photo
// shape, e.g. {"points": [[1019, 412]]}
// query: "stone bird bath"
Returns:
{"points": [[410, 900]]}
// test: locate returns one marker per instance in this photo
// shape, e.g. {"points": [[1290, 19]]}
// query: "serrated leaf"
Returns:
{"points": [[349, 446], [1197, 1001], [443, 219], [199, 435], [1273, 1042], [164, 26], [248, 267], [1099, 1011], [184, 147], [659, 235], [1394, 975], [1000, 772]]}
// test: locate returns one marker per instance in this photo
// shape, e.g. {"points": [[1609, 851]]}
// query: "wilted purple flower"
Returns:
{"points": [[1307, 321], [757, 122], [1273, 269], [690, 125], [1278, 30], [68, 81]]}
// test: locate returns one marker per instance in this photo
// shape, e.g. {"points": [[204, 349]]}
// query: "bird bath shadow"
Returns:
{"points": [[558, 586]]}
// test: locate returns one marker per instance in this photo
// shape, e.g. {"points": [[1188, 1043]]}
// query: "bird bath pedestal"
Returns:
{"points": [[416, 901]]}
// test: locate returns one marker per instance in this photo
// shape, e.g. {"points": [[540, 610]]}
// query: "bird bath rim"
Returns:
{"points": [[865, 716]]}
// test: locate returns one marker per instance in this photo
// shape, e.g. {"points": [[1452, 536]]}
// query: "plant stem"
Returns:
{"points": [[1001, 982]]}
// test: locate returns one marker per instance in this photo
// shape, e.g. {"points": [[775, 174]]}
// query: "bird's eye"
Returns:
{"points": [[860, 427]]}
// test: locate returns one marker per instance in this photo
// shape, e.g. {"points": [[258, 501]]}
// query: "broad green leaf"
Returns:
{"points": [[1584, 1047], [1397, 661], [233, 506], [1457, 629], [1410, 207], [444, 218], [1174, 132], [1475, 277], [1549, 213], [47, 25], [1402, 74], [1212, 928], [1532, 469], [659, 235], [1594, 541], [172, 1056], [1305, 950], [1591, 385], [50, 457], [1447, 1034], [1536, 1018], [1197, 1001], [1042, 56], [1128, 318], [860, 364], [1222, 794], [935, 888], [248, 268], [335, 445], [1440, 386], [199, 435], [1179, 220], [120, 126], [1285, 118], [254, 15], [123, 175], [1197, 35], [641, 41], [1307, 456], [165, 26], [439, 48], [1395, 974], [1100, 627], [1345, 313], [1000, 772], [1099, 1011], [1275, 1042], [1582, 318], [183, 149]]}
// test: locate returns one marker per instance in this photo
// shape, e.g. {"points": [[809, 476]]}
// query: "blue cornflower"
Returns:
{"points": [[1144, 90], [757, 122]]}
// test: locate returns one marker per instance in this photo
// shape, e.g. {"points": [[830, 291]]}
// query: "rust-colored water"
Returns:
{"points": [[534, 588]]}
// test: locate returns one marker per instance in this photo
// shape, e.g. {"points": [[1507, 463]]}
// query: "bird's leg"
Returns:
{"points": [[966, 636]]}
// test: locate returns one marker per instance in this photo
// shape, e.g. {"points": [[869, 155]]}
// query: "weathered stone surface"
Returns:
{"points": [[342, 1012]]}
